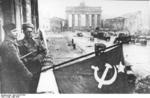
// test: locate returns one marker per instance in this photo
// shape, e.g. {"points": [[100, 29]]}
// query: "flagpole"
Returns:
{"points": [[54, 66]]}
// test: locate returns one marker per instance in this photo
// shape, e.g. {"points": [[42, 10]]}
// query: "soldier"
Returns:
{"points": [[15, 77], [34, 46]]}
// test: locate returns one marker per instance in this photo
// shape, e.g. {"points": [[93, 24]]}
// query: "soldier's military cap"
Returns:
{"points": [[8, 27], [27, 25]]}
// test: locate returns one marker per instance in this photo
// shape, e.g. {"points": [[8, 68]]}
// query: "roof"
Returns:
{"points": [[82, 8], [57, 19]]}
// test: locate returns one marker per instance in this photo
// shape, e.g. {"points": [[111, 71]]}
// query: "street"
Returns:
{"points": [[138, 56], [135, 54]]}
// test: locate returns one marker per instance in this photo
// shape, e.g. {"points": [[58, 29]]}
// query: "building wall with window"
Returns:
{"points": [[57, 24], [114, 24], [133, 22]]}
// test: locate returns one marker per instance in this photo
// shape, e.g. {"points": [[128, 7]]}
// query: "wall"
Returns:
{"points": [[114, 24]]}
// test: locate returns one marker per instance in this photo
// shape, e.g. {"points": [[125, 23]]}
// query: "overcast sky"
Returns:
{"points": [[51, 8]]}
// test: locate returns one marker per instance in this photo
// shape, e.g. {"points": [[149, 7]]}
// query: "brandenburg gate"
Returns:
{"points": [[83, 17]]}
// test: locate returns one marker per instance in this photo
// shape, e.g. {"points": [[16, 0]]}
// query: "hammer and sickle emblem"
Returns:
{"points": [[102, 80]]}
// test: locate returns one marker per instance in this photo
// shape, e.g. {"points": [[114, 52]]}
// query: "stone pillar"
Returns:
{"points": [[98, 20], [8, 11], [35, 13], [73, 20], [18, 13], [67, 20], [93, 20], [79, 20], [87, 20], [28, 11]]}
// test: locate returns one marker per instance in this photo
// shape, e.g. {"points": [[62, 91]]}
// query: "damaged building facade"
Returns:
{"points": [[57, 24], [114, 24], [19, 12], [130, 22], [133, 22]]}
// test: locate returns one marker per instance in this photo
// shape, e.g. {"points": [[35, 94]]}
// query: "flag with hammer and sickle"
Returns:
{"points": [[98, 74]]}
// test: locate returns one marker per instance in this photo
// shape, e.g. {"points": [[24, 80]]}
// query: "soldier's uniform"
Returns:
{"points": [[33, 64], [32, 45], [15, 77]]}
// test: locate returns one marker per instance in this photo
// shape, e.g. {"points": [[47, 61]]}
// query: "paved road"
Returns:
{"points": [[139, 57], [136, 55]]}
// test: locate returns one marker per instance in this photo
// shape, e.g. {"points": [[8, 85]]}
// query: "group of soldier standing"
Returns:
{"points": [[16, 71]]}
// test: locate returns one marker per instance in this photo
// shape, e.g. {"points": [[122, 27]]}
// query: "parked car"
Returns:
{"points": [[133, 38], [101, 35], [148, 37], [142, 40], [79, 34], [93, 33], [122, 38], [111, 33]]}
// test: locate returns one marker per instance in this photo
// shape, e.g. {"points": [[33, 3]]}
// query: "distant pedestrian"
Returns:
{"points": [[74, 46], [92, 38], [72, 41]]}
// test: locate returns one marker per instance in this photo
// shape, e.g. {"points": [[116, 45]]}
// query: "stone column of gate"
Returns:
{"points": [[67, 21], [93, 20], [98, 20], [73, 21], [87, 20], [79, 21]]}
